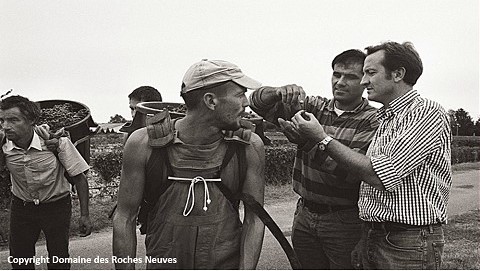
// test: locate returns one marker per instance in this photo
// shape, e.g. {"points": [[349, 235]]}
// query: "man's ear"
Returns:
{"points": [[399, 74], [210, 100]]}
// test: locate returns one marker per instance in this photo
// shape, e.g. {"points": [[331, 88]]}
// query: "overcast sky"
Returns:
{"points": [[97, 52]]}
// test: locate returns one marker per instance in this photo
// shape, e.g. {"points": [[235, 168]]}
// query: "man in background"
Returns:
{"points": [[138, 95], [143, 94], [40, 191]]}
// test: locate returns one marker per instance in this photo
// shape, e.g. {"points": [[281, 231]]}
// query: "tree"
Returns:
{"points": [[117, 119], [477, 127], [465, 123]]}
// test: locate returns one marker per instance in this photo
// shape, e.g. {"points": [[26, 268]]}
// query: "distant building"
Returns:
{"points": [[108, 128]]}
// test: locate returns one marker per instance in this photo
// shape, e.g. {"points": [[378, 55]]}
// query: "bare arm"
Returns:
{"points": [[253, 227], [349, 159], [354, 162], [82, 190], [130, 195]]}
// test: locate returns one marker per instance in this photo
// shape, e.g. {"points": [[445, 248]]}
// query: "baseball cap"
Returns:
{"points": [[210, 72]]}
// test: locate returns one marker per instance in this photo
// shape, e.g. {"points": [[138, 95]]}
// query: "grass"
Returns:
{"points": [[462, 242], [465, 166], [278, 193], [100, 208]]}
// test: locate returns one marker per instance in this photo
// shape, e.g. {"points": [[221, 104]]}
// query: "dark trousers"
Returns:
{"points": [[26, 222]]}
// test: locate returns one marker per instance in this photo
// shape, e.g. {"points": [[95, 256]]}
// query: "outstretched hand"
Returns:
{"points": [[291, 94], [308, 126], [290, 132]]}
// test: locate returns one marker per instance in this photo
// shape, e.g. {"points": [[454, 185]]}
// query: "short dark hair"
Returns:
{"points": [[400, 55], [146, 94], [352, 56], [30, 109]]}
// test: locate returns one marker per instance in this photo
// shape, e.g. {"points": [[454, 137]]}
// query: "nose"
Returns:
{"points": [[246, 101], [5, 125], [364, 81], [341, 81]]}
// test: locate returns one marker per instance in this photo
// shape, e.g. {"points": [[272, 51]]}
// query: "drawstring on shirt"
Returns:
{"points": [[191, 192]]}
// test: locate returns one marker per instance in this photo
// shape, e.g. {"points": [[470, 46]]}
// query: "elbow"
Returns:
{"points": [[374, 181]]}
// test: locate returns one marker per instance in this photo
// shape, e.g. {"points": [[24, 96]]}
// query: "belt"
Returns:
{"points": [[396, 226], [17, 200], [324, 208]]}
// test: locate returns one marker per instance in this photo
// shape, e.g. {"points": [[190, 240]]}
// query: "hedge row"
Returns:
{"points": [[466, 141], [278, 168], [465, 154], [278, 165]]}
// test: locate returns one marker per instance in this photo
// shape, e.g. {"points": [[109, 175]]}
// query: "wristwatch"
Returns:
{"points": [[322, 145]]}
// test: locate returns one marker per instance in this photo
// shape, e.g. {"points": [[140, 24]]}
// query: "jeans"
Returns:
{"points": [[400, 248], [26, 222], [325, 241]]}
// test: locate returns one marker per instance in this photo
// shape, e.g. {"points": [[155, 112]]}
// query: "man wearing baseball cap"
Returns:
{"points": [[193, 225]]}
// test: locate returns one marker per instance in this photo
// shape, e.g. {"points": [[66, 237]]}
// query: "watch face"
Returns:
{"points": [[321, 147]]}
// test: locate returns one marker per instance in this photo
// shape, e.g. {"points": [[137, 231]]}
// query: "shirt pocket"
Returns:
{"points": [[44, 168]]}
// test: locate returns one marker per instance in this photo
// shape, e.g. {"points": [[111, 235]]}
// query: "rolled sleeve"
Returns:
{"points": [[70, 158], [386, 172]]}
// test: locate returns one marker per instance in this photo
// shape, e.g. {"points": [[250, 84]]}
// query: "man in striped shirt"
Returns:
{"points": [[326, 226], [406, 172]]}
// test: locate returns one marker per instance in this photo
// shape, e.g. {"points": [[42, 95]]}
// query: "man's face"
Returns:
{"points": [[346, 87], [378, 81], [231, 106], [133, 102], [15, 124]]}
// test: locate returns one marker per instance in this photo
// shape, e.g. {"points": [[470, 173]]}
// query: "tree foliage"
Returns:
{"points": [[117, 119], [465, 126]]}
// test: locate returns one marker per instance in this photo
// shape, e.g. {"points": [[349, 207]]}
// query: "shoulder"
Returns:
{"points": [[64, 144], [137, 144], [422, 106], [255, 151], [256, 142]]}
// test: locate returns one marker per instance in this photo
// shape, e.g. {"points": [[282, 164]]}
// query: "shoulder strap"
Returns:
{"points": [[155, 184], [252, 204], [232, 149]]}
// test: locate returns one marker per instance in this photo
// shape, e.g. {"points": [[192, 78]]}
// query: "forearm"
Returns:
{"points": [[252, 240], [264, 97], [81, 185], [266, 103], [124, 240], [355, 163]]}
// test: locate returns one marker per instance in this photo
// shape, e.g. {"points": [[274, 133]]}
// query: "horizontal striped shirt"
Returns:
{"points": [[410, 153], [316, 176]]}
